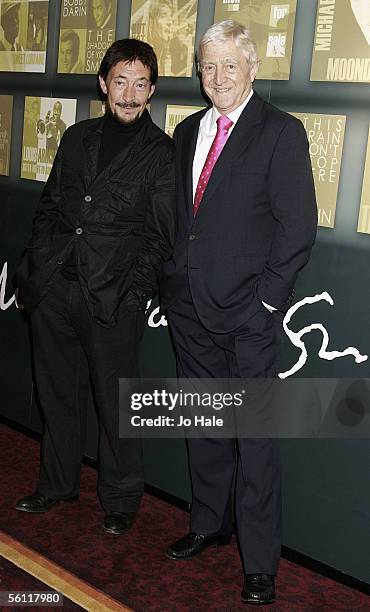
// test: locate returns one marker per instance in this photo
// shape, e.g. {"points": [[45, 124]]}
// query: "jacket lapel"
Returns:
{"points": [[239, 140], [91, 142]]}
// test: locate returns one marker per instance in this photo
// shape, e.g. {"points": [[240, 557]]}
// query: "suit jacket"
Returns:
{"points": [[119, 223], [256, 224]]}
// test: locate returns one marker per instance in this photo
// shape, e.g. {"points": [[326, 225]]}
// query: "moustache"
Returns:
{"points": [[128, 104]]}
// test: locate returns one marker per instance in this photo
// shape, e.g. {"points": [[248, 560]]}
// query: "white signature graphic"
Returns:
{"points": [[3, 278], [154, 320], [157, 320], [295, 337]]}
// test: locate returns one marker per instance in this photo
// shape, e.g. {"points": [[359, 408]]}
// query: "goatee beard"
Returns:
{"points": [[129, 121], [124, 122]]}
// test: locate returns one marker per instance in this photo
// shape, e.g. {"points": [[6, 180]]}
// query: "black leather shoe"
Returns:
{"points": [[258, 589], [38, 502], [193, 543], [118, 522]]}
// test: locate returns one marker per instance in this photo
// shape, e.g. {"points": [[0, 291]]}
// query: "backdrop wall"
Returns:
{"points": [[326, 482]]}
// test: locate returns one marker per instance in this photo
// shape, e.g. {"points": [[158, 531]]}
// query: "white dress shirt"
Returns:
{"points": [[206, 134]]}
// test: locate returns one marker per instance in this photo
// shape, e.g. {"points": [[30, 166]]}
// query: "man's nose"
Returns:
{"points": [[219, 74], [129, 92]]}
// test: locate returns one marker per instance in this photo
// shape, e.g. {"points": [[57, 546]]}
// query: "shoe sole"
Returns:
{"points": [[222, 542]]}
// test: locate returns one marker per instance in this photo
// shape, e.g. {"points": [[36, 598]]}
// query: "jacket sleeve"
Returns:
{"points": [[45, 218], [48, 208], [158, 234], [293, 205]]}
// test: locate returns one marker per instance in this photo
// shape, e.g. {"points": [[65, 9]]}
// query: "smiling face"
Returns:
{"points": [[227, 76], [100, 11], [68, 55], [128, 89]]}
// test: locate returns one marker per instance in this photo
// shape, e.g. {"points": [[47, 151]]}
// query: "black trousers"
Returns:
{"points": [[252, 465], [69, 349]]}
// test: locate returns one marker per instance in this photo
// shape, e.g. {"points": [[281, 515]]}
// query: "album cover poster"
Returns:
{"points": [[23, 35], [341, 50], [271, 24], [175, 114], [97, 109], [87, 29], [364, 216], [6, 110], [325, 135], [169, 26], [45, 121]]}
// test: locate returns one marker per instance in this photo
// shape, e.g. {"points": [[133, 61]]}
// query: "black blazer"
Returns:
{"points": [[256, 224], [120, 222]]}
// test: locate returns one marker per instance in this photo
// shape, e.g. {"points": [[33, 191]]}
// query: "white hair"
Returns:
{"points": [[230, 30]]}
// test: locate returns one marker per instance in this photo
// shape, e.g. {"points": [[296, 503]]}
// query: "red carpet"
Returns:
{"points": [[133, 568]]}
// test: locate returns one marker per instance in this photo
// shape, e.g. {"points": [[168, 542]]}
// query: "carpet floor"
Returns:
{"points": [[133, 568]]}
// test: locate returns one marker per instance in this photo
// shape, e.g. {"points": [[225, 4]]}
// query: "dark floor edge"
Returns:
{"points": [[287, 553]]}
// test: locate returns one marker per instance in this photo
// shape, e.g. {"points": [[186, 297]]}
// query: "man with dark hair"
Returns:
{"points": [[104, 225], [102, 13], [10, 25], [68, 53]]}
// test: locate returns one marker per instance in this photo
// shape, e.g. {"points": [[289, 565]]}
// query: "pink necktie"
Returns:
{"points": [[223, 126]]}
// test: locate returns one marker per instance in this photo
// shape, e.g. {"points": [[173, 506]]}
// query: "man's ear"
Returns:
{"points": [[103, 85], [152, 90], [254, 70]]}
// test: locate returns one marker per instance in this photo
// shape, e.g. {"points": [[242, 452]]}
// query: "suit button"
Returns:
{"points": [[192, 236], [88, 198], [79, 230], [60, 262]]}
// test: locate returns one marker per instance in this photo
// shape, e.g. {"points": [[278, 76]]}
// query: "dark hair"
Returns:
{"points": [[71, 35], [129, 50]]}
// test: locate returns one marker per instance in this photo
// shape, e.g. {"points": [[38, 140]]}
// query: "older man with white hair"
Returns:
{"points": [[246, 224]]}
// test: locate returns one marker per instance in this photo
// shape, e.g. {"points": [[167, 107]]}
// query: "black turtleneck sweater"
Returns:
{"points": [[116, 138]]}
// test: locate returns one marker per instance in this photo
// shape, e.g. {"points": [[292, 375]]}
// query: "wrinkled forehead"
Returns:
{"points": [[129, 68], [221, 51]]}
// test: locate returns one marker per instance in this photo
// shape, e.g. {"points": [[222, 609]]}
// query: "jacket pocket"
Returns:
{"points": [[129, 194]]}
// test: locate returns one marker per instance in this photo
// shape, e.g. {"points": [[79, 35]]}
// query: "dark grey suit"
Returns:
{"points": [[252, 234]]}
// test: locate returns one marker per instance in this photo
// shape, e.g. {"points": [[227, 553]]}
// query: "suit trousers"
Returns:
{"points": [[70, 350], [247, 470]]}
